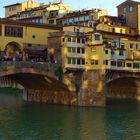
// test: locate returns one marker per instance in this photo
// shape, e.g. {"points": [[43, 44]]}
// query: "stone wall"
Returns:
{"points": [[92, 91], [85, 88], [51, 97]]}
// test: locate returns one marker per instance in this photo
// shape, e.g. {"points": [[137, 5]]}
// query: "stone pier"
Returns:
{"points": [[48, 83], [50, 97], [85, 88], [92, 91]]}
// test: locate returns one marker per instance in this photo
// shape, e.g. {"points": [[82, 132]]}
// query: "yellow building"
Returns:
{"points": [[42, 13], [85, 48], [113, 49], [68, 46], [16, 36], [19, 7]]}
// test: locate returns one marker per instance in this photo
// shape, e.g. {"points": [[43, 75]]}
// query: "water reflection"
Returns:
{"points": [[20, 121]]}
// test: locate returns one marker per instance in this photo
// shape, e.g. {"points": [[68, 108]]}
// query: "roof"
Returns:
{"points": [[12, 5], [114, 33], [119, 26], [30, 24], [79, 13], [129, 1], [75, 25]]}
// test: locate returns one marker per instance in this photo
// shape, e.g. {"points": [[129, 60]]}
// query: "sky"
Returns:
{"points": [[109, 5]]}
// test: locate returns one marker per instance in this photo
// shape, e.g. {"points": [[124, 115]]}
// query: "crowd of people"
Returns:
{"points": [[22, 56]]}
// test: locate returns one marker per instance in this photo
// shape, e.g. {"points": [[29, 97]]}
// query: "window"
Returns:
{"points": [[130, 8], [69, 60], [83, 40], [83, 61], [51, 21], [69, 39], [75, 19], [106, 62], [94, 62], [122, 46], [129, 65], [113, 63], [74, 39], [73, 50], [83, 50], [12, 9], [81, 18], [78, 61], [69, 49], [124, 10], [65, 21], [70, 20], [78, 50], [106, 51], [121, 53], [121, 64], [97, 37], [131, 46], [78, 40], [63, 39], [87, 17], [136, 65], [73, 60], [12, 31], [112, 52]]}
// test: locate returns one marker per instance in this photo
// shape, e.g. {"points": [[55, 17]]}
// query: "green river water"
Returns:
{"points": [[120, 120]]}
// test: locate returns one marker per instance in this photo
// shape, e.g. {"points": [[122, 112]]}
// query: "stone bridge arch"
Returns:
{"points": [[40, 81], [112, 75], [123, 85]]}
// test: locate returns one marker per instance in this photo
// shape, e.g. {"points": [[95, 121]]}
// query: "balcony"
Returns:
{"points": [[75, 44], [76, 55], [74, 66]]}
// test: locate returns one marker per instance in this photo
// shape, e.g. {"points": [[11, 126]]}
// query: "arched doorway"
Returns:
{"points": [[12, 50]]}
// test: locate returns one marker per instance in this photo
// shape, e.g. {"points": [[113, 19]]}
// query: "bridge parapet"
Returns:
{"points": [[43, 68], [111, 75]]}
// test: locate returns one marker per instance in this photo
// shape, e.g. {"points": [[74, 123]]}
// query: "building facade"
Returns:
{"points": [[17, 36], [43, 13], [130, 9], [84, 18], [19, 7]]}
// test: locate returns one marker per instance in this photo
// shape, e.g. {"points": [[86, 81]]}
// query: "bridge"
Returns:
{"points": [[42, 81], [46, 82], [122, 84]]}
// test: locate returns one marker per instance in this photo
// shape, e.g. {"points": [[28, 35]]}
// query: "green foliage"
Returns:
{"points": [[59, 72]]}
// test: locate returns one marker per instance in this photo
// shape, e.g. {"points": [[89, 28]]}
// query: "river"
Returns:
{"points": [[120, 120]]}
